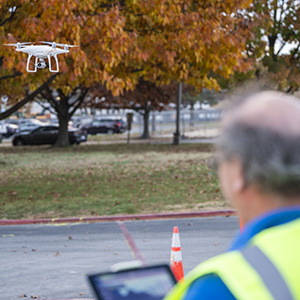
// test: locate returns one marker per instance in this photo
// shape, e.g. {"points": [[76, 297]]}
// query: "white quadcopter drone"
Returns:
{"points": [[42, 52]]}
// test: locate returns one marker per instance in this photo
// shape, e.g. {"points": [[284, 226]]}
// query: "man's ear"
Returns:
{"points": [[238, 184]]}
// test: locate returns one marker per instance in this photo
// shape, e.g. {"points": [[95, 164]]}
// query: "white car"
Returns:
{"points": [[7, 129], [2, 128]]}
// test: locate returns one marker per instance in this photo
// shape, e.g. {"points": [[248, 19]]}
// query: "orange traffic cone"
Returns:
{"points": [[176, 258]]}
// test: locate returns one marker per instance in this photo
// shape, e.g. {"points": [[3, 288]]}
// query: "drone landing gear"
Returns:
{"points": [[28, 63], [40, 64], [56, 60]]}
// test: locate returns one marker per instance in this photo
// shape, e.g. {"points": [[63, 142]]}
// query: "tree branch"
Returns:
{"points": [[60, 94], [281, 47], [295, 51], [79, 101], [28, 98], [50, 99], [10, 76], [45, 107]]}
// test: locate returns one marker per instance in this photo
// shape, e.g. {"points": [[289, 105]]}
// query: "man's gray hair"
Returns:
{"points": [[270, 159]]}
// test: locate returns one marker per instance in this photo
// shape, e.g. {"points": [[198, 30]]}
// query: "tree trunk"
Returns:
{"points": [[64, 118], [63, 136], [65, 108], [192, 114], [146, 134]]}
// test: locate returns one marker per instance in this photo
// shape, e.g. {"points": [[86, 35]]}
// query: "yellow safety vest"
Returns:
{"points": [[267, 268]]}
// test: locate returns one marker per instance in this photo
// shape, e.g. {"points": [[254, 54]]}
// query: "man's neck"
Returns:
{"points": [[255, 203]]}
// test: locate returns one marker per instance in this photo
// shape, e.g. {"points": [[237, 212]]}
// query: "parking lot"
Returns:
{"points": [[52, 261]]}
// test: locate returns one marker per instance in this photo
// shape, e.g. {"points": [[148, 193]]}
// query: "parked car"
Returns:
{"points": [[10, 129], [2, 130], [108, 126], [18, 125], [47, 134], [30, 124]]}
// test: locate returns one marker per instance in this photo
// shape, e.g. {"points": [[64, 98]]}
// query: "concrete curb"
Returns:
{"points": [[121, 217]]}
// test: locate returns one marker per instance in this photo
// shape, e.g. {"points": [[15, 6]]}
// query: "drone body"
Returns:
{"points": [[42, 52]]}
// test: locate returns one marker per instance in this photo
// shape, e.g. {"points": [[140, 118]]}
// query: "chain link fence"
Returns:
{"points": [[193, 123]]}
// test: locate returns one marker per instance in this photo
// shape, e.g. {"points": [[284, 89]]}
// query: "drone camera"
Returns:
{"points": [[41, 65]]}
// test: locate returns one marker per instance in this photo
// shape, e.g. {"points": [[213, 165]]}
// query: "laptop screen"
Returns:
{"points": [[146, 283]]}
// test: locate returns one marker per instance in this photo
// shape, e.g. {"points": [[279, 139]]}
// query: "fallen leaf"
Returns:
{"points": [[57, 254], [70, 238], [23, 296]]}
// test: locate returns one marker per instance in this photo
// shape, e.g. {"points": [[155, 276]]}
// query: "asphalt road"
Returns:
{"points": [[52, 261]]}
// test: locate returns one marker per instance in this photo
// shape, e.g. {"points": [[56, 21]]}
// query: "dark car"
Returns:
{"points": [[47, 135], [108, 126]]}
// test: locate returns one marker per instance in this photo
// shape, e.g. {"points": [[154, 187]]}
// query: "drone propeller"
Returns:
{"points": [[18, 45], [53, 44], [66, 46]]}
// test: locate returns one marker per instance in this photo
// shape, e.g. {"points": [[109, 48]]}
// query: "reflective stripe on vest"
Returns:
{"points": [[268, 273]]}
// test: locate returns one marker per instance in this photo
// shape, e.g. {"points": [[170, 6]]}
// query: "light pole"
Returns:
{"points": [[176, 139]]}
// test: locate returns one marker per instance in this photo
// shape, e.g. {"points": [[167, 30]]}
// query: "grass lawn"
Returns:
{"points": [[91, 180]]}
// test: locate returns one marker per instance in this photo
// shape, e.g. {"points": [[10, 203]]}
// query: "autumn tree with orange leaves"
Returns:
{"points": [[277, 42], [121, 42], [274, 47]]}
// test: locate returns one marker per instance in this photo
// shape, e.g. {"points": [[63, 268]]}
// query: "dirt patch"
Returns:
{"points": [[202, 206]]}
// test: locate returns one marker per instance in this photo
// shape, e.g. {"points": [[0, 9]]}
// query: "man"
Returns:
{"points": [[259, 169]]}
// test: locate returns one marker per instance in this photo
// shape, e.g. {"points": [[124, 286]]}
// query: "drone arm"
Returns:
{"points": [[56, 60], [28, 63]]}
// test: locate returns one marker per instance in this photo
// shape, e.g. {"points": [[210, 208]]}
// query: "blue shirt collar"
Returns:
{"points": [[273, 218]]}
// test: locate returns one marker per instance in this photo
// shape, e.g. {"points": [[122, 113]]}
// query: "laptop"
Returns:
{"points": [[134, 283]]}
